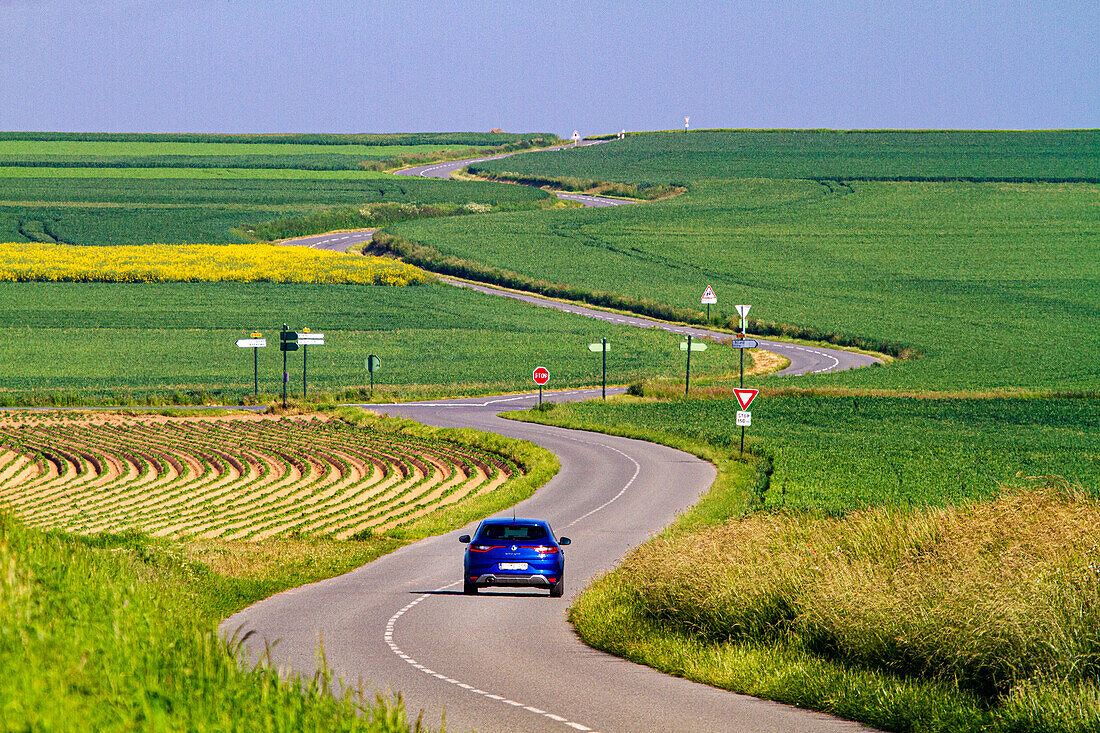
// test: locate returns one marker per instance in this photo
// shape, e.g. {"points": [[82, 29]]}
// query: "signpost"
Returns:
{"points": [[291, 341], [708, 299], [305, 339], [255, 343], [576, 138], [373, 364], [743, 311], [285, 345], [541, 376], [689, 347], [744, 417], [602, 347]]}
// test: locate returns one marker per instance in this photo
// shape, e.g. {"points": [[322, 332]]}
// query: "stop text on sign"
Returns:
{"points": [[541, 375]]}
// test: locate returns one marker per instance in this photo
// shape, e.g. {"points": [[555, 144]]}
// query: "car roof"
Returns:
{"points": [[517, 520]]}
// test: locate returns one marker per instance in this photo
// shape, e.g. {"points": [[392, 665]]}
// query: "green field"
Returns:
{"points": [[679, 157], [840, 454], [127, 210], [130, 341], [187, 172], [328, 140], [996, 285], [104, 148], [78, 188]]}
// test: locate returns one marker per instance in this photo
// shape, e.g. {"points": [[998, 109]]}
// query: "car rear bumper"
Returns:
{"points": [[537, 580]]}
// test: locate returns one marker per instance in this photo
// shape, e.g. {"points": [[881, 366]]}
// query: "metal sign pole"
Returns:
{"points": [[687, 378], [255, 370], [305, 350], [540, 395], [286, 375], [604, 343]]}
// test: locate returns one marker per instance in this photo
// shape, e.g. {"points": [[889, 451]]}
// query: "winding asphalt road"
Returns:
{"points": [[803, 359], [507, 660]]}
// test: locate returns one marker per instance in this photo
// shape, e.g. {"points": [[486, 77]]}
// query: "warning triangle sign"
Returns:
{"points": [[709, 297], [746, 396]]}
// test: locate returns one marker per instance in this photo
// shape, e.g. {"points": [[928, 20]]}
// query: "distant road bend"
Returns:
{"points": [[444, 170]]}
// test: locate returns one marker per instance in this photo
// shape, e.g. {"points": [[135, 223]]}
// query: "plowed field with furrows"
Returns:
{"points": [[238, 478]]}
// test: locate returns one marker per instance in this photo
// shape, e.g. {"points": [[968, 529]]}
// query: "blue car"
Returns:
{"points": [[514, 552]]}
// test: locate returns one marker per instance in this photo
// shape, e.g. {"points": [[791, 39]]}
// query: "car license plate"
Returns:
{"points": [[513, 566]]}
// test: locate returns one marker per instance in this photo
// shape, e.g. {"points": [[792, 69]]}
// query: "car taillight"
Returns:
{"points": [[484, 548], [545, 549]]}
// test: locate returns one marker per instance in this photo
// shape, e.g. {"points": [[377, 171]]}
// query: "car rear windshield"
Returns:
{"points": [[518, 532]]}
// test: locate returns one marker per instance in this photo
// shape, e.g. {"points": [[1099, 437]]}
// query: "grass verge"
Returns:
{"points": [[644, 192]]}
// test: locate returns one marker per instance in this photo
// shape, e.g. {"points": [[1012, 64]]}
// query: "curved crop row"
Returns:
{"points": [[238, 478]]}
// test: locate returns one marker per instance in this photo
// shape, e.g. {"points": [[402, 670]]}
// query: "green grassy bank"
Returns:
{"points": [[882, 559]]}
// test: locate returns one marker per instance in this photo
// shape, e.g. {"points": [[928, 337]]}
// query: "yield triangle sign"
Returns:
{"points": [[746, 396]]}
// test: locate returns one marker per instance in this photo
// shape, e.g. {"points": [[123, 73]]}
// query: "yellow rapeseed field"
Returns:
{"points": [[200, 263]]}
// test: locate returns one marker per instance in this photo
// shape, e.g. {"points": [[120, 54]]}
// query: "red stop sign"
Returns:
{"points": [[541, 376]]}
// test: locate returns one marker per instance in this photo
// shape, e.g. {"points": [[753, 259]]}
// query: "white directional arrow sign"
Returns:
{"points": [[695, 346], [252, 343]]}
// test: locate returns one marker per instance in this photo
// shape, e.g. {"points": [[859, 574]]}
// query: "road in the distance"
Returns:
{"points": [[508, 660], [444, 170], [804, 359]]}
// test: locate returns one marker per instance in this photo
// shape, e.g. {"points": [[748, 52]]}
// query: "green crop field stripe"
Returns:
{"points": [[664, 158], [199, 487], [185, 351], [45, 503], [136, 506]]}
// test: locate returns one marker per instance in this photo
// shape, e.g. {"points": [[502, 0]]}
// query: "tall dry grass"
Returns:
{"points": [[1001, 598]]}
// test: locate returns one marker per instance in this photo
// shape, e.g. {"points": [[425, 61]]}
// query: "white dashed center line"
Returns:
{"points": [[388, 636]]}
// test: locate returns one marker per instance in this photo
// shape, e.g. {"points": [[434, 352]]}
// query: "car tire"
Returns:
{"points": [[557, 589], [469, 588]]}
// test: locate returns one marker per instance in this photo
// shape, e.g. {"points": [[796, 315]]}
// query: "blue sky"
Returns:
{"points": [[245, 66]]}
